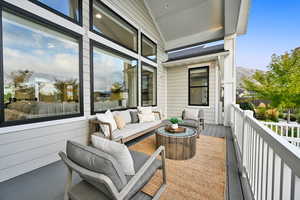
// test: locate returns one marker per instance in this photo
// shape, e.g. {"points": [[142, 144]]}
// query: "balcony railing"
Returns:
{"points": [[290, 132], [268, 162]]}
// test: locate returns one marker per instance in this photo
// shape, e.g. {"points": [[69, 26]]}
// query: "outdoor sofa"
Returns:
{"points": [[132, 130]]}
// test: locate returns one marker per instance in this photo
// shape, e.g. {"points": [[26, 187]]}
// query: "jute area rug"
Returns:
{"points": [[200, 178]]}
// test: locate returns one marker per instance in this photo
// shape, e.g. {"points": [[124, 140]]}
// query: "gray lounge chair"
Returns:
{"points": [[198, 124], [103, 178]]}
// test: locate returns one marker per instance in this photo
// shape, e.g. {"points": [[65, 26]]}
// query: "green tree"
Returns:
{"points": [[280, 84]]}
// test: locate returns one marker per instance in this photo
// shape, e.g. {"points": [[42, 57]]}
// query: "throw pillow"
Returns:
{"points": [[108, 118], [119, 121], [145, 110], [190, 113], [119, 151], [134, 117], [126, 116], [146, 117]]}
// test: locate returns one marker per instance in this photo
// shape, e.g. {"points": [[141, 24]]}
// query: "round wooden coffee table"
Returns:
{"points": [[179, 146]]}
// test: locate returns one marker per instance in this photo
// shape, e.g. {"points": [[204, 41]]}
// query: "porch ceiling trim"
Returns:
{"points": [[185, 23], [197, 59]]}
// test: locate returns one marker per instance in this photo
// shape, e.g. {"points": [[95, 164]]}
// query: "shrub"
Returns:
{"points": [[298, 118], [293, 118], [260, 113], [272, 114], [246, 106]]}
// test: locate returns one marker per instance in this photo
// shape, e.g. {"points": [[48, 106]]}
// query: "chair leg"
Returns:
{"points": [[68, 184]]}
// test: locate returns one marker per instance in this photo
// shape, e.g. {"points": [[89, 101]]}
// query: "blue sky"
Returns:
{"points": [[274, 27]]}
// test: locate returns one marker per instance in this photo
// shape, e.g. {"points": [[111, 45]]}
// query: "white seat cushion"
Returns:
{"points": [[132, 129], [119, 151]]}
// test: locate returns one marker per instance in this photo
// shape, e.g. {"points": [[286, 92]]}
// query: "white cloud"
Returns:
{"points": [[60, 65]]}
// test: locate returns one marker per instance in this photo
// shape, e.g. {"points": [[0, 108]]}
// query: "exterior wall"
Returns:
{"points": [[177, 95], [27, 147]]}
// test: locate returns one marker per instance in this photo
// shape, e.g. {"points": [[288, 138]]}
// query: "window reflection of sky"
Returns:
{"points": [[48, 54], [62, 6], [107, 71]]}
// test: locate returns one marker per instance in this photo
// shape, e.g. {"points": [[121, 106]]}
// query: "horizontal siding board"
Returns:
{"points": [[26, 150], [177, 92]]}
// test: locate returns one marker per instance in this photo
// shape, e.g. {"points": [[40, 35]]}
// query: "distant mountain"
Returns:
{"points": [[243, 72]]}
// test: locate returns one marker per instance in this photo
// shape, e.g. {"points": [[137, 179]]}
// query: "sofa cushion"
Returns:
{"points": [[190, 122], [145, 110], [97, 161], [119, 151], [132, 129], [120, 121], [191, 113], [146, 117], [139, 160], [134, 117], [126, 116], [108, 118]]}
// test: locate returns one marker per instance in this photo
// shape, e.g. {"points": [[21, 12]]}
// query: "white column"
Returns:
{"points": [[229, 77]]}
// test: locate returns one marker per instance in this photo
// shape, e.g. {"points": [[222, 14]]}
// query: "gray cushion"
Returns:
{"points": [[97, 161], [134, 117], [200, 114], [190, 122], [85, 191], [139, 160]]}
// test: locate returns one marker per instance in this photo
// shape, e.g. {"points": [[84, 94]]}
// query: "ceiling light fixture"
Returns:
{"points": [[98, 16]]}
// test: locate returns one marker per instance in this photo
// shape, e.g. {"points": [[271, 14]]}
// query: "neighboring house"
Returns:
{"points": [[92, 42]]}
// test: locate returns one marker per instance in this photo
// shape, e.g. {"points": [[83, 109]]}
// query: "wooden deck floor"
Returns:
{"points": [[47, 183]]}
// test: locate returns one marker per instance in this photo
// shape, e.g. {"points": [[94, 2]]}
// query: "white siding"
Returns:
{"points": [[24, 150], [177, 91]]}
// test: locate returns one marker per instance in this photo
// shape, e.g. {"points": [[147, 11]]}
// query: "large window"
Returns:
{"points": [[149, 48], [110, 25], [41, 68], [115, 79], [198, 86], [70, 9], [149, 85]]}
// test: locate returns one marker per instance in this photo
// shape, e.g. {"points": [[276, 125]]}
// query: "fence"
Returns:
{"points": [[290, 132], [268, 162]]}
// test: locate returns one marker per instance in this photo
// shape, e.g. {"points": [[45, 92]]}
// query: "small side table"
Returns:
{"points": [[179, 146]]}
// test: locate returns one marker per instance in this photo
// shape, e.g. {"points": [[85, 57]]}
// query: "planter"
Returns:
{"points": [[174, 126]]}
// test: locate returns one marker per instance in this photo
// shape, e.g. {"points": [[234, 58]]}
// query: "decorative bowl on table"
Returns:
{"points": [[177, 130]]}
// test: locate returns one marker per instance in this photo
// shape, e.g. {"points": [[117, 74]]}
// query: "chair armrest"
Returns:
{"points": [[87, 173], [97, 121], [142, 171], [157, 112]]}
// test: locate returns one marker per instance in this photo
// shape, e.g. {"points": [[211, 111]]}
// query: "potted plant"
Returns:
{"points": [[174, 122]]}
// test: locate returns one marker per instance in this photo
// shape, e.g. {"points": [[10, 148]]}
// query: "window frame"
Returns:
{"points": [[155, 44], [60, 13], [118, 15], [93, 44], [7, 7], [155, 68], [190, 87]]}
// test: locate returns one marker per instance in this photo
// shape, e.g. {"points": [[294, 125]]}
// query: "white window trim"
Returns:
{"points": [[145, 60], [111, 44], [47, 15], [36, 125]]}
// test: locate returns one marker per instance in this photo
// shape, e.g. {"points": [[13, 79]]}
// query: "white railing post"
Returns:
{"points": [[246, 113]]}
